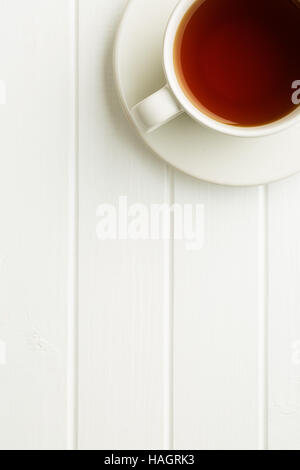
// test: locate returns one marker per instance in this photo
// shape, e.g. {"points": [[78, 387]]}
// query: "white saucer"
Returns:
{"points": [[183, 143]]}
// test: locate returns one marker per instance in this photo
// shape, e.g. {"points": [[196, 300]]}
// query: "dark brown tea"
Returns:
{"points": [[236, 60]]}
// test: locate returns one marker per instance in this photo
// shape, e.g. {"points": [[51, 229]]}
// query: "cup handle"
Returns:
{"points": [[156, 110]]}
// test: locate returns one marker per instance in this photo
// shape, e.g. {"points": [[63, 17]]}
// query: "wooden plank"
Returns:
{"points": [[121, 283], [34, 148], [217, 323], [284, 318]]}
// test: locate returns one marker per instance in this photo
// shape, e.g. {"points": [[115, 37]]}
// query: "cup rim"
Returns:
{"points": [[168, 60]]}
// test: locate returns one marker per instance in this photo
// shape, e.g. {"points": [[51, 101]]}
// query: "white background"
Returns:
{"points": [[129, 345]]}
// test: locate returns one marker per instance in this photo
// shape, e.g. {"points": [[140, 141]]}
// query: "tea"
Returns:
{"points": [[236, 60]]}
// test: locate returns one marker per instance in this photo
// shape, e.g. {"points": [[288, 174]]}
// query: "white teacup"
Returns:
{"points": [[171, 100]]}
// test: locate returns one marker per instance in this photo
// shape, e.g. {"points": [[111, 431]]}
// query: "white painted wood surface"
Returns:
{"points": [[121, 283], [216, 322], [129, 344], [34, 153], [284, 315]]}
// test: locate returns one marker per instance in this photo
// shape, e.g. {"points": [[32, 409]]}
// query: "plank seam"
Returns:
{"points": [[169, 318], [72, 359], [263, 318]]}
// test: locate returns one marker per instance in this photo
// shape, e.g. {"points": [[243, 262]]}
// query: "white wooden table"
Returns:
{"points": [[123, 344]]}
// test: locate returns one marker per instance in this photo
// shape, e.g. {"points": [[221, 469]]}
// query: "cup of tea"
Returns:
{"points": [[232, 65]]}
